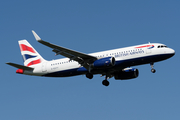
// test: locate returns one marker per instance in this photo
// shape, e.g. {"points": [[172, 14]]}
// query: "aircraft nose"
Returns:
{"points": [[172, 52]]}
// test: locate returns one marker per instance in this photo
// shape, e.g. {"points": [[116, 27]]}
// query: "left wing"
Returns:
{"points": [[81, 58], [20, 66]]}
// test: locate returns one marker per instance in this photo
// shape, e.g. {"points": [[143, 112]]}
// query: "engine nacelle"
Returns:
{"points": [[128, 73], [104, 63]]}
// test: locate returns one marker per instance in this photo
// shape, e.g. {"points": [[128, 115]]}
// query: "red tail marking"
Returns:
{"points": [[26, 48], [34, 62], [20, 71]]}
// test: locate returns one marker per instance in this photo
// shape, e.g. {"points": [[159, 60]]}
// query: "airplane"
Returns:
{"points": [[115, 63]]}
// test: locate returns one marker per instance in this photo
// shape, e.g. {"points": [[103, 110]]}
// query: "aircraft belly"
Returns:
{"points": [[64, 73], [120, 64]]}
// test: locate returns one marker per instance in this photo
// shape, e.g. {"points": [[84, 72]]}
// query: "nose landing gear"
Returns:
{"points": [[152, 68]]}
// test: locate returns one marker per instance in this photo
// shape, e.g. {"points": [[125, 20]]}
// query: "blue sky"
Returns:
{"points": [[89, 26]]}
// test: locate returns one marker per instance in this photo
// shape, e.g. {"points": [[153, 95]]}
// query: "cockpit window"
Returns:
{"points": [[162, 46]]}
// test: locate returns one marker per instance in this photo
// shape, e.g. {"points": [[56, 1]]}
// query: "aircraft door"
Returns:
{"points": [[44, 67], [148, 51]]}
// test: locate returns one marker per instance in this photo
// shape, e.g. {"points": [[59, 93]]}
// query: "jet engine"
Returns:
{"points": [[104, 63], [128, 73]]}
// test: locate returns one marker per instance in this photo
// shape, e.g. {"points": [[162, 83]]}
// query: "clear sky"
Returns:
{"points": [[89, 26]]}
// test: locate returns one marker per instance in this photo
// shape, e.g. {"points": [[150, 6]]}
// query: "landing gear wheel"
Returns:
{"points": [[152, 66], [105, 83], [153, 70], [89, 75]]}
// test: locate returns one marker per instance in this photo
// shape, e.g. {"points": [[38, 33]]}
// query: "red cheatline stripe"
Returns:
{"points": [[26, 48], [144, 46], [34, 62]]}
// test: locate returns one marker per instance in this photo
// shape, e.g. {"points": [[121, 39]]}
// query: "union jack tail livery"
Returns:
{"points": [[30, 56]]}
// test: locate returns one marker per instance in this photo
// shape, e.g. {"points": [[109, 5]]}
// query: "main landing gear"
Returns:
{"points": [[104, 82], [152, 68], [89, 75]]}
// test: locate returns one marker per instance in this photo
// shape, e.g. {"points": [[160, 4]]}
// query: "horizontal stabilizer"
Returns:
{"points": [[20, 66]]}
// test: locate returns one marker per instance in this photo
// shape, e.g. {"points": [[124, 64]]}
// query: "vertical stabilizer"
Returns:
{"points": [[30, 56]]}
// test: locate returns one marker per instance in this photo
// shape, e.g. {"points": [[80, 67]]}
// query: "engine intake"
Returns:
{"points": [[104, 63], [128, 73]]}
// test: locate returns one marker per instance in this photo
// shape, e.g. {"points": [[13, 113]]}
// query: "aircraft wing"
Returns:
{"points": [[20, 66], [82, 58]]}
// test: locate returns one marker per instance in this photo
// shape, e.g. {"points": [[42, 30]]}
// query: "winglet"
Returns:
{"points": [[36, 36]]}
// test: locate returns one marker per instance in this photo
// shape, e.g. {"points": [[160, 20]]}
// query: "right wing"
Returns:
{"points": [[82, 58]]}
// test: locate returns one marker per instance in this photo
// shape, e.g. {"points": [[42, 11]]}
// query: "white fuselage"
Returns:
{"points": [[134, 55]]}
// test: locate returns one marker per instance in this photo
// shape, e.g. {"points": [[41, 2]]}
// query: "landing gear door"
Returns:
{"points": [[44, 67]]}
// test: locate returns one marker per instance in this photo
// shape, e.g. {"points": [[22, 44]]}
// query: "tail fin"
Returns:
{"points": [[30, 56]]}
